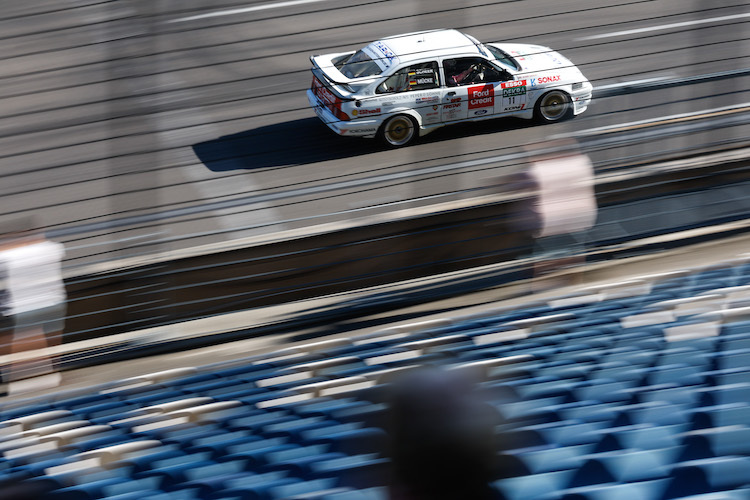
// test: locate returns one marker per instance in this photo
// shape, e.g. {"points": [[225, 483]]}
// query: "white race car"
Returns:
{"points": [[405, 86]]}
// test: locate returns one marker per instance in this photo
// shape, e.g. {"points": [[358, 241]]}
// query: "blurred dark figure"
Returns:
{"points": [[442, 441], [34, 300], [524, 217]]}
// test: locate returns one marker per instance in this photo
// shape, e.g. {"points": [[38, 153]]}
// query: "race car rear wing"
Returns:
{"points": [[338, 89]]}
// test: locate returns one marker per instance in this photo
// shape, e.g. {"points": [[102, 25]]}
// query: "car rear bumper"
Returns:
{"points": [[356, 128]]}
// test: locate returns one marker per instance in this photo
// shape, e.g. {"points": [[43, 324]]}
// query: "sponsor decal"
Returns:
{"points": [[548, 79], [432, 117], [481, 96], [387, 52], [424, 71], [427, 99], [419, 94], [456, 99], [514, 108], [361, 131], [480, 112], [435, 107], [363, 112], [554, 59], [452, 106], [513, 83], [514, 88], [323, 93], [326, 97], [515, 91]]}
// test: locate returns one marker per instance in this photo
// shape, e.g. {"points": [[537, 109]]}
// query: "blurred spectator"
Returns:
{"points": [[35, 302], [442, 441], [566, 208], [524, 219]]}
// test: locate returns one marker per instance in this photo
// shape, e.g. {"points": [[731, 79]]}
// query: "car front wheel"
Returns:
{"points": [[398, 131], [553, 106]]}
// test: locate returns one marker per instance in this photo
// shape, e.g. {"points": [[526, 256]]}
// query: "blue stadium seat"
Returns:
{"points": [[211, 478], [708, 476], [132, 486], [256, 486], [555, 458], [652, 412], [545, 486], [217, 444], [720, 415], [644, 490], [641, 437], [255, 452], [603, 391], [378, 493], [173, 471], [716, 442], [294, 428], [738, 494], [299, 461], [724, 394], [300, 490], [625, 467], [352, 441], [736, 358], [356, 471], [588, 411]]}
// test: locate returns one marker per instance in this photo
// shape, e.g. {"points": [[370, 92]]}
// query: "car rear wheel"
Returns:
{"points": [[399, 130], [553, 106]]}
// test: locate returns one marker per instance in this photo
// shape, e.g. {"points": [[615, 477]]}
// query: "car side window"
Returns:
{"points": [[416, 77], [470, 70]]}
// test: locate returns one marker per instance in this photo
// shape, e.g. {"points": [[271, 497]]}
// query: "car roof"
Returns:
{"points": [[433, 43]]}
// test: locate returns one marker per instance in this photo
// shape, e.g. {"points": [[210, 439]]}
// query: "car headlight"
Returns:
{"points": [[578, 86]]}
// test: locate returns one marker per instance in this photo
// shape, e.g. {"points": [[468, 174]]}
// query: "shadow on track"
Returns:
{"points": [[307, 141], [298, 142]]}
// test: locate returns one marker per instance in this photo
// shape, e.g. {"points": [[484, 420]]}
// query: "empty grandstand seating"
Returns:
{"points": [[633, 390]]}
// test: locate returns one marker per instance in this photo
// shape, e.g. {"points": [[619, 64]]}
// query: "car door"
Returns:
{"points": [[513, 98], [473, 88], [416, 87]]}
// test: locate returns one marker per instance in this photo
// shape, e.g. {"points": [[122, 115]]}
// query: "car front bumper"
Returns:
{"points": [[582, 98]]}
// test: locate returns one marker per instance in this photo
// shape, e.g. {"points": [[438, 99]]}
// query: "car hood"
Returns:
{"points": [[535, 58]]}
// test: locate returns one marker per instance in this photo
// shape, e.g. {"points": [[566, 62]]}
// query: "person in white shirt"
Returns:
{"points": [[35, 300]]}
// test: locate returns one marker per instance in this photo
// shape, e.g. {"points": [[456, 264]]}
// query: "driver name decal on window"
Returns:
{"points": [[415, 80], [481, 96]]}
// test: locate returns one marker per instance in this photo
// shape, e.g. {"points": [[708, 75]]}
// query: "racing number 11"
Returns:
{"points": [[514, 95]]}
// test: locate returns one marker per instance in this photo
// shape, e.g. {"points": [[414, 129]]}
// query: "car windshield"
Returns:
{"points": [[358, 65], [503, 58]]}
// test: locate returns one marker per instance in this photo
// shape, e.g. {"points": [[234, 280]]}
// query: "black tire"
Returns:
{"points": [[399, 131], [553, 106]]}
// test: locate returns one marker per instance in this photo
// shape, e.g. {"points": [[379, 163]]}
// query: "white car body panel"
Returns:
{"points": [[353, 105]]}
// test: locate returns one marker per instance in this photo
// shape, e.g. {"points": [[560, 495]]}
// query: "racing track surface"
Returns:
{"points": [[137, 126]]}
